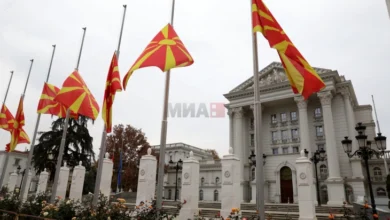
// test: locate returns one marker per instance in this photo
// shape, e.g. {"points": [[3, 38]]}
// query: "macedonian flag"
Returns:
{"points": [[113, 85], [165, 51], [18, 135], [6, 119], [76, 96], [47, 104], [303, 78]]}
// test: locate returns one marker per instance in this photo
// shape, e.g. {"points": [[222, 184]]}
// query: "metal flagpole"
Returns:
{"points": [[104, 135], [64, 132], [7, 154], [30, 153], [257, 118], [163, 139], [379, 131]]}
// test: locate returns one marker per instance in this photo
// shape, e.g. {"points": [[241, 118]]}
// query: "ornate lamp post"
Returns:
{"points": [[319, 155], [365, 152], [178, 166], [252, 158]]}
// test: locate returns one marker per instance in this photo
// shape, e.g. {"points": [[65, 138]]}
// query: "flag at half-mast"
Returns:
{"points": [[18, 135], [113, 85], [76, 96], [165, 51], [47, 104], [303, 78], [6, 119]]}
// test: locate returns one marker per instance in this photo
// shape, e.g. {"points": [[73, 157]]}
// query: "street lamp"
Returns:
{"points": [[365, 152], [252, 158], [319, 155], [178, 166]]}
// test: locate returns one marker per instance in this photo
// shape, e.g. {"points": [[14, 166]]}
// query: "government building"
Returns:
{"points": [[290, 124]]}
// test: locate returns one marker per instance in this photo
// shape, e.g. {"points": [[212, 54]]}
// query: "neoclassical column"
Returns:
{"points": [[238, 126], [334, 182], [230, 113], [303, 123]]}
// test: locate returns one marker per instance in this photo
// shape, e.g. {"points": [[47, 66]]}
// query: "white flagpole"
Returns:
{"points": [[164, 126], [103, 144], [62, 146], [379, 131], [258, 127], [30, 153], [7, 154]]}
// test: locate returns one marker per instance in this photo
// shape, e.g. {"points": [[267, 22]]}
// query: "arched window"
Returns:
{"points": [[200, 195], [215, 195], [323, 171], [349, 194], [216, 180], [377, 174], [169, 194], [202, 181], [324, 194], [253, 174], [380, 191]]}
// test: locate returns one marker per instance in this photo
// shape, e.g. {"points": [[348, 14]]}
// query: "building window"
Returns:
{"points": [[252, 140], [273, 119], [319, 131], [295, 150], [285, 150], [380, 192], [284, 135], [252, 124], [317, 113], [202, 181], [320, 146], [377, 174], [179, 181], [293, 116], [170, 157], [283, 117], [294, 134], [216, 180], [253, 174], [215, 195], [323, 171], [17, 161], [275, 151], [200, 195], [169, 194], [274, 136]]}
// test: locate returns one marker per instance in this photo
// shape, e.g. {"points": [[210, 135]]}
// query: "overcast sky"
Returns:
{"points": [[351, 36]]}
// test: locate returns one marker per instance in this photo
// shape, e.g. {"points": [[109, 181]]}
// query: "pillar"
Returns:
{"points": [[42, 184], [230, 113], [266, 188], [62, 184], [12, 181], [334, 182], [147, 178], [76, 188], [231, 196], [29, 177], [238, 132], [190, 188], [303, 123], [105, 184], [307, 209]]}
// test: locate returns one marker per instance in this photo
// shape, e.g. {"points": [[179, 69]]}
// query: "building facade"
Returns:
{"points": [[291, 124]]}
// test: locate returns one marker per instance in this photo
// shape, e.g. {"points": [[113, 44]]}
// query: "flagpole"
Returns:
{"points": [[379, 131], [259, 176], [30, 153], [7, 154], [104, 135], [64, 132], [164, 126], [9, 84]]}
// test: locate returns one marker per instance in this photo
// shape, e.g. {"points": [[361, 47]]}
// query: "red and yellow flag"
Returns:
{"points": [[303, 78], [47, 104], [76, 96], [165, 51], [18, 135], [113, 85], [6, 119]]}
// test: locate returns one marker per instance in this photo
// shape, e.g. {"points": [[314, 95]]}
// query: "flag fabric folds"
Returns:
{"points": [[113, 85], [18, 135], [303, 78], [47, 104], [6, 119], [165, 51], [76, 96]]}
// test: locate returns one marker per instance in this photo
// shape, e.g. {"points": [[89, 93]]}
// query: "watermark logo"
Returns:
{"points": [[192, 110]]}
